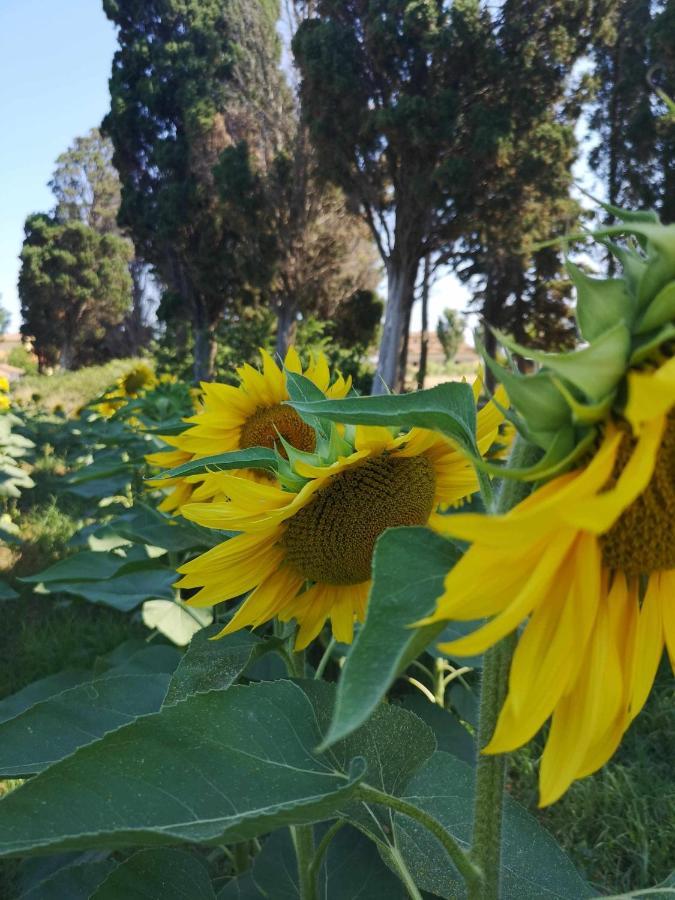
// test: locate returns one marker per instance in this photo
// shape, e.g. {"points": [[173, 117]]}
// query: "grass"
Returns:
{"points": [[69, 391], [618, 825]]}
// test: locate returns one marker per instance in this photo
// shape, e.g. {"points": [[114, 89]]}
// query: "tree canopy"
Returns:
{"points": [[174, 74], [74, 285]]}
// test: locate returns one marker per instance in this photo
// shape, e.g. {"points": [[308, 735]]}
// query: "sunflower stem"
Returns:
{"points": [[397, 862], [325, 659], [459, 857], [323, 847], [295, 663], [491, 770], [303, 841]]}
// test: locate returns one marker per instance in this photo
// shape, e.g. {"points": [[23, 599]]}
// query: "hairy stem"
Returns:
{"points": [[303, 841], [398, 863], [458, 856], [491, 770], [323, 846]]}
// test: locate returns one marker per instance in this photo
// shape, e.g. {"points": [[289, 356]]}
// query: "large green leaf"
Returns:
{"points": [[147, 581], [99, 488], [533, 866], [84, 566], [222, 766], [130, 658], [410, 566], [393, 742], [147, 526], [53, 728], [213, 665], [40, 690], [352, 870], [448, 408], [164, 873], [449, 732], [77, 881], [7, 592], [254, 458]]}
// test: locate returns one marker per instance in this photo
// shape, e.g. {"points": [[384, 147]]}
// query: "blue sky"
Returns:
{"points": [[55, 58]]}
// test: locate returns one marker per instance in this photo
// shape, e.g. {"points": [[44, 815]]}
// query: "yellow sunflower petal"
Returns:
{"points": [[648, 646], [598, 514], [265, 601], [551, 649], [650, 394], [292, 361], [231, 568], [532, 593], [310, 610], [585, 714], [274, 378]]}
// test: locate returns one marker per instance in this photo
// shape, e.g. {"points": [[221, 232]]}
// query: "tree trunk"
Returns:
{"points": [[66, 354], [135, 319], [424, 334], [401, 277], [286, 326], [205, 348]]}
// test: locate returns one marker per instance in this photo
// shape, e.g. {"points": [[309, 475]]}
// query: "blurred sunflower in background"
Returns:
{"points": [[252, 414], [587, 561], [305, 552], [128, 387], [4, 394]]}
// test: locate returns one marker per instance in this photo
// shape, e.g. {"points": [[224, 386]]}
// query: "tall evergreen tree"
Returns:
{"points": [[388, 90], [635, 151], [87, 189], [174, 110], [86, 184], [417, 108], [74, 285]]}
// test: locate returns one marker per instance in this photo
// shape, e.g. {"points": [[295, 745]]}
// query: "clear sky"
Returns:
{"points": [[55, 58]]}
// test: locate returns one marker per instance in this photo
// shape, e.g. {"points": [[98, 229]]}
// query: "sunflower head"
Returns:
{"points": [[627, 324], [138, 379], [253, 414]]}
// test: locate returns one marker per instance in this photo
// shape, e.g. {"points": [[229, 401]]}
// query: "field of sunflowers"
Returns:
{"points": [[308, 633]]}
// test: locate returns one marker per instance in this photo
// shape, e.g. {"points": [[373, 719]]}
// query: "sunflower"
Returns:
{"points": [[307, 554], [252, 414], [137, 380], [587, 561]]}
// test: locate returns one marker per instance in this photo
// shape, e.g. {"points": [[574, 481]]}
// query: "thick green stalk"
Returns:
{"points": [[323, 847], [303, 841], [491, 770], [465, 867]]}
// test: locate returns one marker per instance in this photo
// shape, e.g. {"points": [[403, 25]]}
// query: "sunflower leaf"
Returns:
{"points": [[448, 408], [410, 565], [55, 727], [534, 867], [601, 302], [596, 369], [252, 458], [167, 873], [217, 767]]}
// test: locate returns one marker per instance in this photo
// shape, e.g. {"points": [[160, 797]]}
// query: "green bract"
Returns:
{"points": [[623, 321]]}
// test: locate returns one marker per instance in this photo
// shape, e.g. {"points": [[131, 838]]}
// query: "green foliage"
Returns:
{"points": [[450, 330], [175, 114], [70, 391], [448, 408], [74, 284], [22, 359], [86, 185], [608, 823], [635, 151]]}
